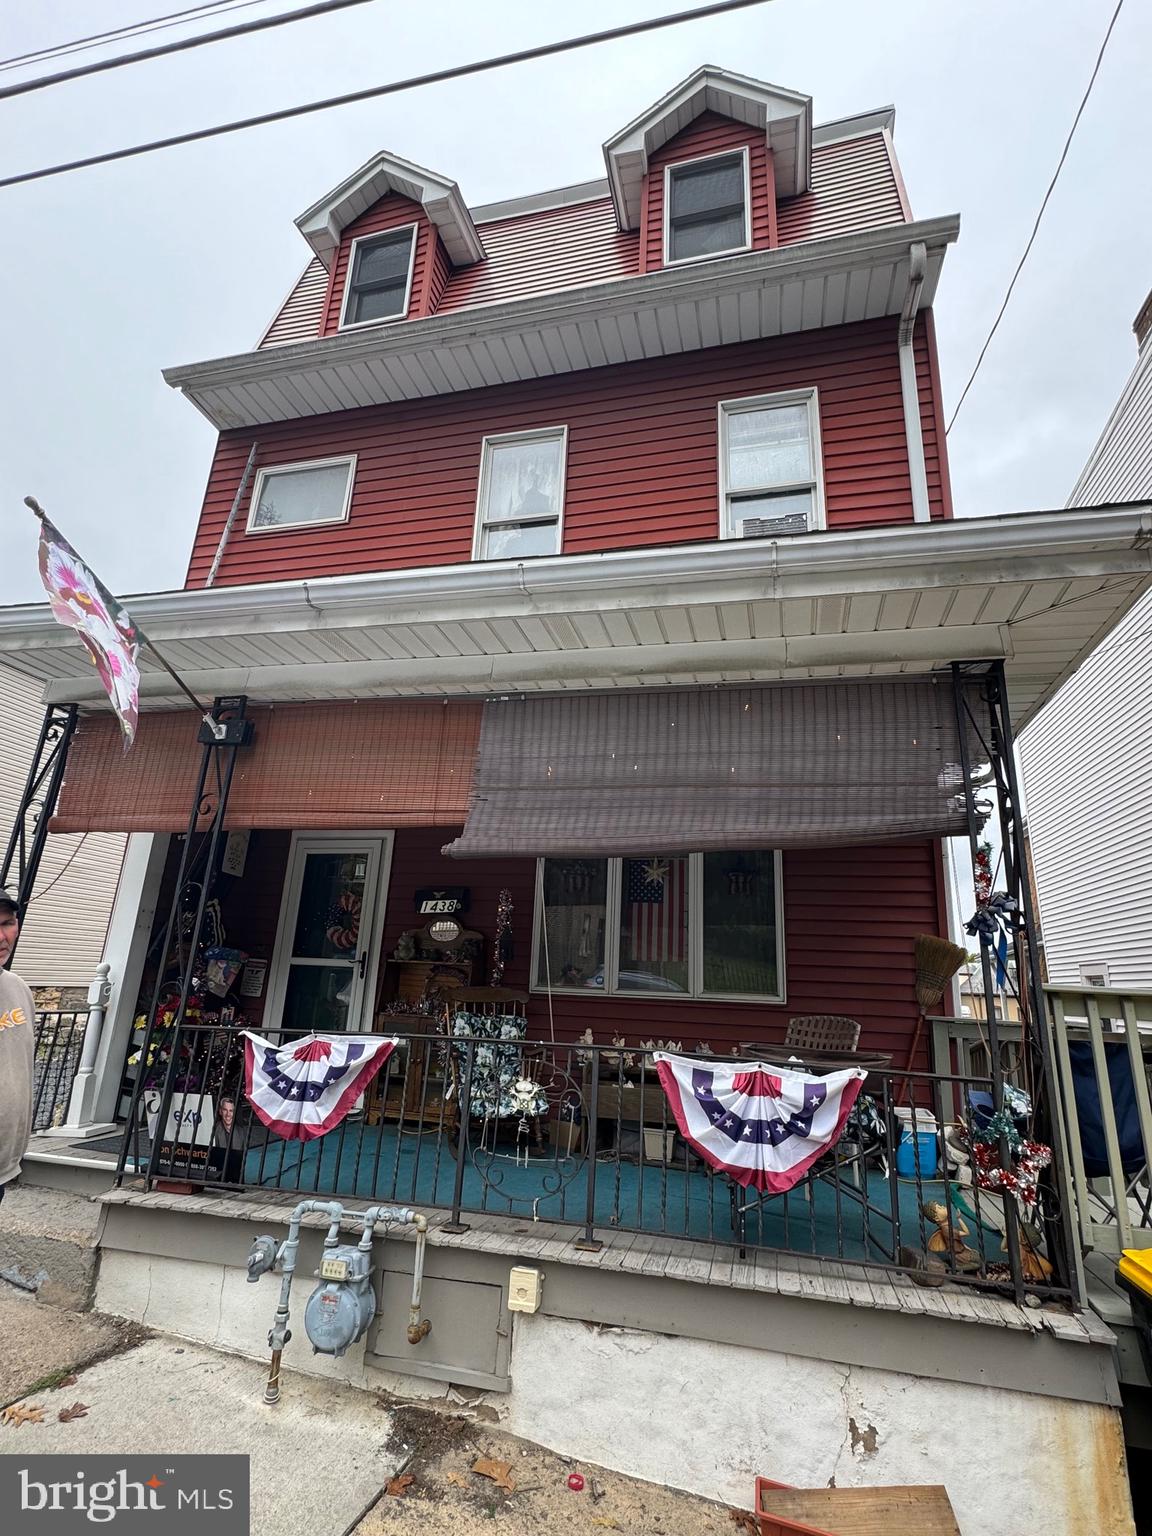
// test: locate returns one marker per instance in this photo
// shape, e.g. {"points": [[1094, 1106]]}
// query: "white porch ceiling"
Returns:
{"points": [[1039, 590], [658, 314]]}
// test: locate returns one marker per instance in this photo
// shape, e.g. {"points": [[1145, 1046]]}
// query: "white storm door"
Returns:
{"points": [[328, 943]]}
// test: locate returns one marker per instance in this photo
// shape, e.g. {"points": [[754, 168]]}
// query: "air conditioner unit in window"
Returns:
{"points": [[774, 527]]}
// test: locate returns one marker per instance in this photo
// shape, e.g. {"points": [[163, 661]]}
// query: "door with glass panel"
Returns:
{"points": [[331, 917]]}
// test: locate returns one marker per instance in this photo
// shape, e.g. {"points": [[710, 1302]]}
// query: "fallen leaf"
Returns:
{"points": [[66, 1381], [609, 1525], [17, 1414], [399, 1486], [77, 1411], [457, 1479], [745, 1520], [499, 1471]]}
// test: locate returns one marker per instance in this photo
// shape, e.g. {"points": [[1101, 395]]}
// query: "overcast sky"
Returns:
{"points": [[112, 274]]}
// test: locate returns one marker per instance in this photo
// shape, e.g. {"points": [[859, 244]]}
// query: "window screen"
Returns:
{"points": [[706, 208], [378, 281]]}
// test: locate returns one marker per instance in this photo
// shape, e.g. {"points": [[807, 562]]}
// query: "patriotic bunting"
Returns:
{"points": [[764, 1126], [79, 600], [304, 1088]]}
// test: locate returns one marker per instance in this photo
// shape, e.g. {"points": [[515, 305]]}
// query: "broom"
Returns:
{"points": [[937, 961]]}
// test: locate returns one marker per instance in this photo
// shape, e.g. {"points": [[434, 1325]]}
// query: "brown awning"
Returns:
{"points": [[374, 763], [769, 766]]}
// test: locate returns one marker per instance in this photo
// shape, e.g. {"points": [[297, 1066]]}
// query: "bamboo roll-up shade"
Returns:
{"points": [[366, 764], [770, 766]]}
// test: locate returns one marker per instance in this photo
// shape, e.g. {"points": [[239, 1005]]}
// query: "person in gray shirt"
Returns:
{"points": [[17, 1024]]}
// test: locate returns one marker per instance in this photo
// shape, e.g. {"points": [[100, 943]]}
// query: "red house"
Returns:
{"points": [[586, 567]]}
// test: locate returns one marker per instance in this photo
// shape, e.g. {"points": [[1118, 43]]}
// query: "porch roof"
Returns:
{"points": [[1038, 589]]}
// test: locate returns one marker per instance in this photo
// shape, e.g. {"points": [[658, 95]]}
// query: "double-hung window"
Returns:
{"points": [[379, 280], [706, 207], [302, 495], [662, 925], [521, 502], [770, 464]]}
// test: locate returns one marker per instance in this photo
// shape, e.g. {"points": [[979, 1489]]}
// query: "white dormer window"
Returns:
{"points": [[771, 465], [521, 502], [706, 208], [379, 284]]}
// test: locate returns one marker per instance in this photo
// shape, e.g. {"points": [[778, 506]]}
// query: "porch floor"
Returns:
{"points": [[375, 1162]]}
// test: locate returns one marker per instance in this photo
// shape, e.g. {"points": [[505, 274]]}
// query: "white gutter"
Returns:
{"points": [[1070, 543], [917, 271]]}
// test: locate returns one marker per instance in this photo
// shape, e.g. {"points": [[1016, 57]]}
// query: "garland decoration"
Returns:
{"points": [[502, 942]]}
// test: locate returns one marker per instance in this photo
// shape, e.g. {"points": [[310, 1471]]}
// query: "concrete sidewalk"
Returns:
{"points": [[319, 1458]]}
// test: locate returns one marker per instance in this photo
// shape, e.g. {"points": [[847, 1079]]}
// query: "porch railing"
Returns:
{"points": [[591, 1142], [58, 1047]]}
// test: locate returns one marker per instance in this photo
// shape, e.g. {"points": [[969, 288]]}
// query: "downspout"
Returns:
{"points": [[917, 272]]}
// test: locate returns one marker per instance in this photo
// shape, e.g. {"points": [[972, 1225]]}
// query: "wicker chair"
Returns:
{"points": [[818, 1032]]}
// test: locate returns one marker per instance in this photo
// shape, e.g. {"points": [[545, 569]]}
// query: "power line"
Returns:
{"points": [[161, 49], [133, 29], [545, 50], [1039, 216]]}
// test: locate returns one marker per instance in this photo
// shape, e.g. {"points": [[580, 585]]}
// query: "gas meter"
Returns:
{"points": [[343, 1304]]}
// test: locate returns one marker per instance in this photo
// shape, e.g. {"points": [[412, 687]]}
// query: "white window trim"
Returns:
{"points": [[612, 906], [271, 470], [731, 250], [726, 408], [380, 234], [487, 443]]}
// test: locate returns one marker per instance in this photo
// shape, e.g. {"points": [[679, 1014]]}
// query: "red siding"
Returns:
{"points": [[542, 252], [440, 272], [389, 213], [853, 187], [710, 134], [642, 456], [851, 916]]}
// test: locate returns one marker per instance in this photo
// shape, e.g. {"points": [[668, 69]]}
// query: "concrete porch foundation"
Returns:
{"points": [[686, 1367]]}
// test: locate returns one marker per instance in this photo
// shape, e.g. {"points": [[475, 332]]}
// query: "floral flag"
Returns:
{"points": [[763, 1126], [304, 1088], [80, 601]]}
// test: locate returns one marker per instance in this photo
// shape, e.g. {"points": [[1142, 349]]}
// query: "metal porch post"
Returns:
{"points": [[1012, 833], [38, 802], [218, 760], [1011, 1235]]}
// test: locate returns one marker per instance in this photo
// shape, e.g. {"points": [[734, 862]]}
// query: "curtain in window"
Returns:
{"points": [[769, 766]]}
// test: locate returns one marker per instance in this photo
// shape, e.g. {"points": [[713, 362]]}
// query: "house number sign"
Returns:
{"points": [[443, 900]]}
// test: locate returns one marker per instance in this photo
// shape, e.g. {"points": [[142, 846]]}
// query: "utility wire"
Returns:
{"points": [[41, 82], [1039, 216], [545, 50], [132, 29]]}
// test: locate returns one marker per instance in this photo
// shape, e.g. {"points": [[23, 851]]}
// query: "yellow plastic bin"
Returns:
{"points": [[1134, 1273]]}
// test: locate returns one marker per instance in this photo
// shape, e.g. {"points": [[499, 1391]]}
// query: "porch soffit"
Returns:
{"points": [[1039, 589], [657, 314]]}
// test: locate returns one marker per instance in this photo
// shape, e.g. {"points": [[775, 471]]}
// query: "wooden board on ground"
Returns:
{"points": [[912, 1511]]}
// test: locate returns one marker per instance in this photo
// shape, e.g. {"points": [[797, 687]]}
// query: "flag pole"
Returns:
{"points": [[34, 505]]}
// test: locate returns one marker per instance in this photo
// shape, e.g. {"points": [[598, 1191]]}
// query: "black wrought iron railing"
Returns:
{"points": [[584, 1136], [59, 1043]]}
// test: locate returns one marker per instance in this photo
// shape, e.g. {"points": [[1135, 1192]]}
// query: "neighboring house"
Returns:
{"points": [[72, 902], [588, 560], [1087, 758]]}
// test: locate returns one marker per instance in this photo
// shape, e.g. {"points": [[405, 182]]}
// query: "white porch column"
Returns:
{"points": [[124, 951]]}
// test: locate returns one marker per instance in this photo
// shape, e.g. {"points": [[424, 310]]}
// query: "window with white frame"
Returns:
{"points": [[301, 495], [770, 463], [706, 207], [379, 277], [521, 501], [685, 925]]}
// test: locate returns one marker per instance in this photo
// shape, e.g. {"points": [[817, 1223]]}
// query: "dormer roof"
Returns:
{"points": [[784, 115], [322, 224]]}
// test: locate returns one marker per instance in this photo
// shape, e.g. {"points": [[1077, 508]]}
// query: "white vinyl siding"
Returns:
{"points": [[63, 937], [1087, 758]]}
